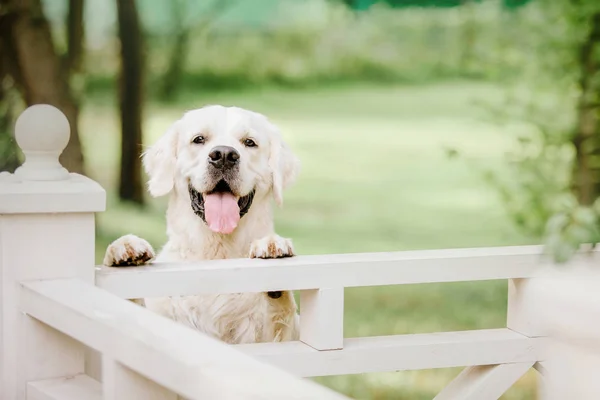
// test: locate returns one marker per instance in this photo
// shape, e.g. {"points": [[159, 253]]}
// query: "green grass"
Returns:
{"points": [[376, 177]]}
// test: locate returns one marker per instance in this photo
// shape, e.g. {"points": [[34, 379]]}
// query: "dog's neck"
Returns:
{"points": [[195, 241]]}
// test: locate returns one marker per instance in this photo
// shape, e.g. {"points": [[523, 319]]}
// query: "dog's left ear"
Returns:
{"points": [[284, 165]]}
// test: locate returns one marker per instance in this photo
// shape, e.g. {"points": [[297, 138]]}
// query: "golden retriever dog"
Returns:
{"points": [[221, 167]]}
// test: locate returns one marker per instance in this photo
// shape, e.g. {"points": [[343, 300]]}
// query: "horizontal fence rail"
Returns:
{"points": [[494, 358], [401, 352], [324, 271], [78, 387], [174, 356]]}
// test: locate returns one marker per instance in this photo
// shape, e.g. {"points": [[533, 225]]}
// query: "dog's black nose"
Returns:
{"points": [[223, 157]]}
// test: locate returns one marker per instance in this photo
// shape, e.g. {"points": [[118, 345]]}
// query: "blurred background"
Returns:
{"points": [[420, 124]]}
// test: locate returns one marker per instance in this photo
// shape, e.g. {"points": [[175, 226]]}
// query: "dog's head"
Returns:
{"points": [[224, 157]]}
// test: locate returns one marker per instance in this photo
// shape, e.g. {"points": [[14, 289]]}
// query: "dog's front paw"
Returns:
{"points": [[128, 250], [273, 246]]}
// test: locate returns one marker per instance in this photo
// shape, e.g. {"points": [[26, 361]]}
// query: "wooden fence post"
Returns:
{"points": [[322, 318], [523, 316], [46, 231]]}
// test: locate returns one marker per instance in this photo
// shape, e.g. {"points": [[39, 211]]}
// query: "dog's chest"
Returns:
{"points": [[213, 251]]}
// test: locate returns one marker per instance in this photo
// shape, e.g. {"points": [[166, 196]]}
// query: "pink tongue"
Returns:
{"points": [[221, 212]]}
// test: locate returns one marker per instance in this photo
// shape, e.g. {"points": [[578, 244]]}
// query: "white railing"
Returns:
{"points": [[321, 280], [56, 315], [568, 305], [147, 348]]}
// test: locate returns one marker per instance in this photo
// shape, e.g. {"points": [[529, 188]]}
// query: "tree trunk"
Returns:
{"points": [[586, 140], [9, 153], [468, 36], [172, 77], [75, 35], [179, 49], [178, 56], [36, 68], [131, 187]]}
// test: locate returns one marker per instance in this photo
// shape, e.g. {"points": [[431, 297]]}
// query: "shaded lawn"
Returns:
{"points": [[376, 177]]}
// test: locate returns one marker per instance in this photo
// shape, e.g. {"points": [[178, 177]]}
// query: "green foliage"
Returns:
{"points": [[538, 173], [537, 190], [570, 227], [10, 156], [315, 42], [364, 4]]}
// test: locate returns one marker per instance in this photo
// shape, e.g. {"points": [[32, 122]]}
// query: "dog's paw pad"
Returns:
{"points": [[128, 250], [271, 247]]}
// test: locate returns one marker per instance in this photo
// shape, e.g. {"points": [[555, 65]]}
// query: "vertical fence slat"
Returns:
{"points": [[521, 314], [322, 318]]}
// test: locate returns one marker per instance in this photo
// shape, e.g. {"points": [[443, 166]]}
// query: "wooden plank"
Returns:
{"points": [[522, 315], [64, 248], [78, 387], [567, 303], [483, 382], [571, 372], [170, 354], [400, 352], [313, 272], [121, 383], [322, 322]]}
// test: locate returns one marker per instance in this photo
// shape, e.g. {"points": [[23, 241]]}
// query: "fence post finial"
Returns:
{"points": [[42, 132]]}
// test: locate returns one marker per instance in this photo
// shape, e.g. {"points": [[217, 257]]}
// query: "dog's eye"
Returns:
{"points": [[199, 140], [249, 143]]}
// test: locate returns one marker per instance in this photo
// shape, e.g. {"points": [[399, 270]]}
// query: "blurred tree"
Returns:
{"points": [[365, 4], [73, 59], [9, 157], [131, 187], [468, 36], [179, 47], [35, 67], [555, 181], [181, 34], [586, 138]]}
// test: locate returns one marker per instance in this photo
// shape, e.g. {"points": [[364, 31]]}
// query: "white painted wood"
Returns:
{"points": [[42, 132], [121, 383], [400, 352], [41, 184], [46, 353], [78, 387], [78, 194], [541, 368], [313, 272], [46, 231], [322, 318], [522, 315], [38, 247], [170, 354], [483, 382], [567, 303], [572, 373], [93, 364]]}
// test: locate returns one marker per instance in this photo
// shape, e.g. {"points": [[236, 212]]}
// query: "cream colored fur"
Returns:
{"points": [[175, 161]]}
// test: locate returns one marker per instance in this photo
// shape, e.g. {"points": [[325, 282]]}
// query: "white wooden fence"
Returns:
{"points": [[58, 310]]}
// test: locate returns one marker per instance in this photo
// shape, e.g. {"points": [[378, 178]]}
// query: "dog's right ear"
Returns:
{"points": [[159, 163]]}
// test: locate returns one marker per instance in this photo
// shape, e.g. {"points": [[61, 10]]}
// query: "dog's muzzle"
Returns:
{"points": [[197, 202]]}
